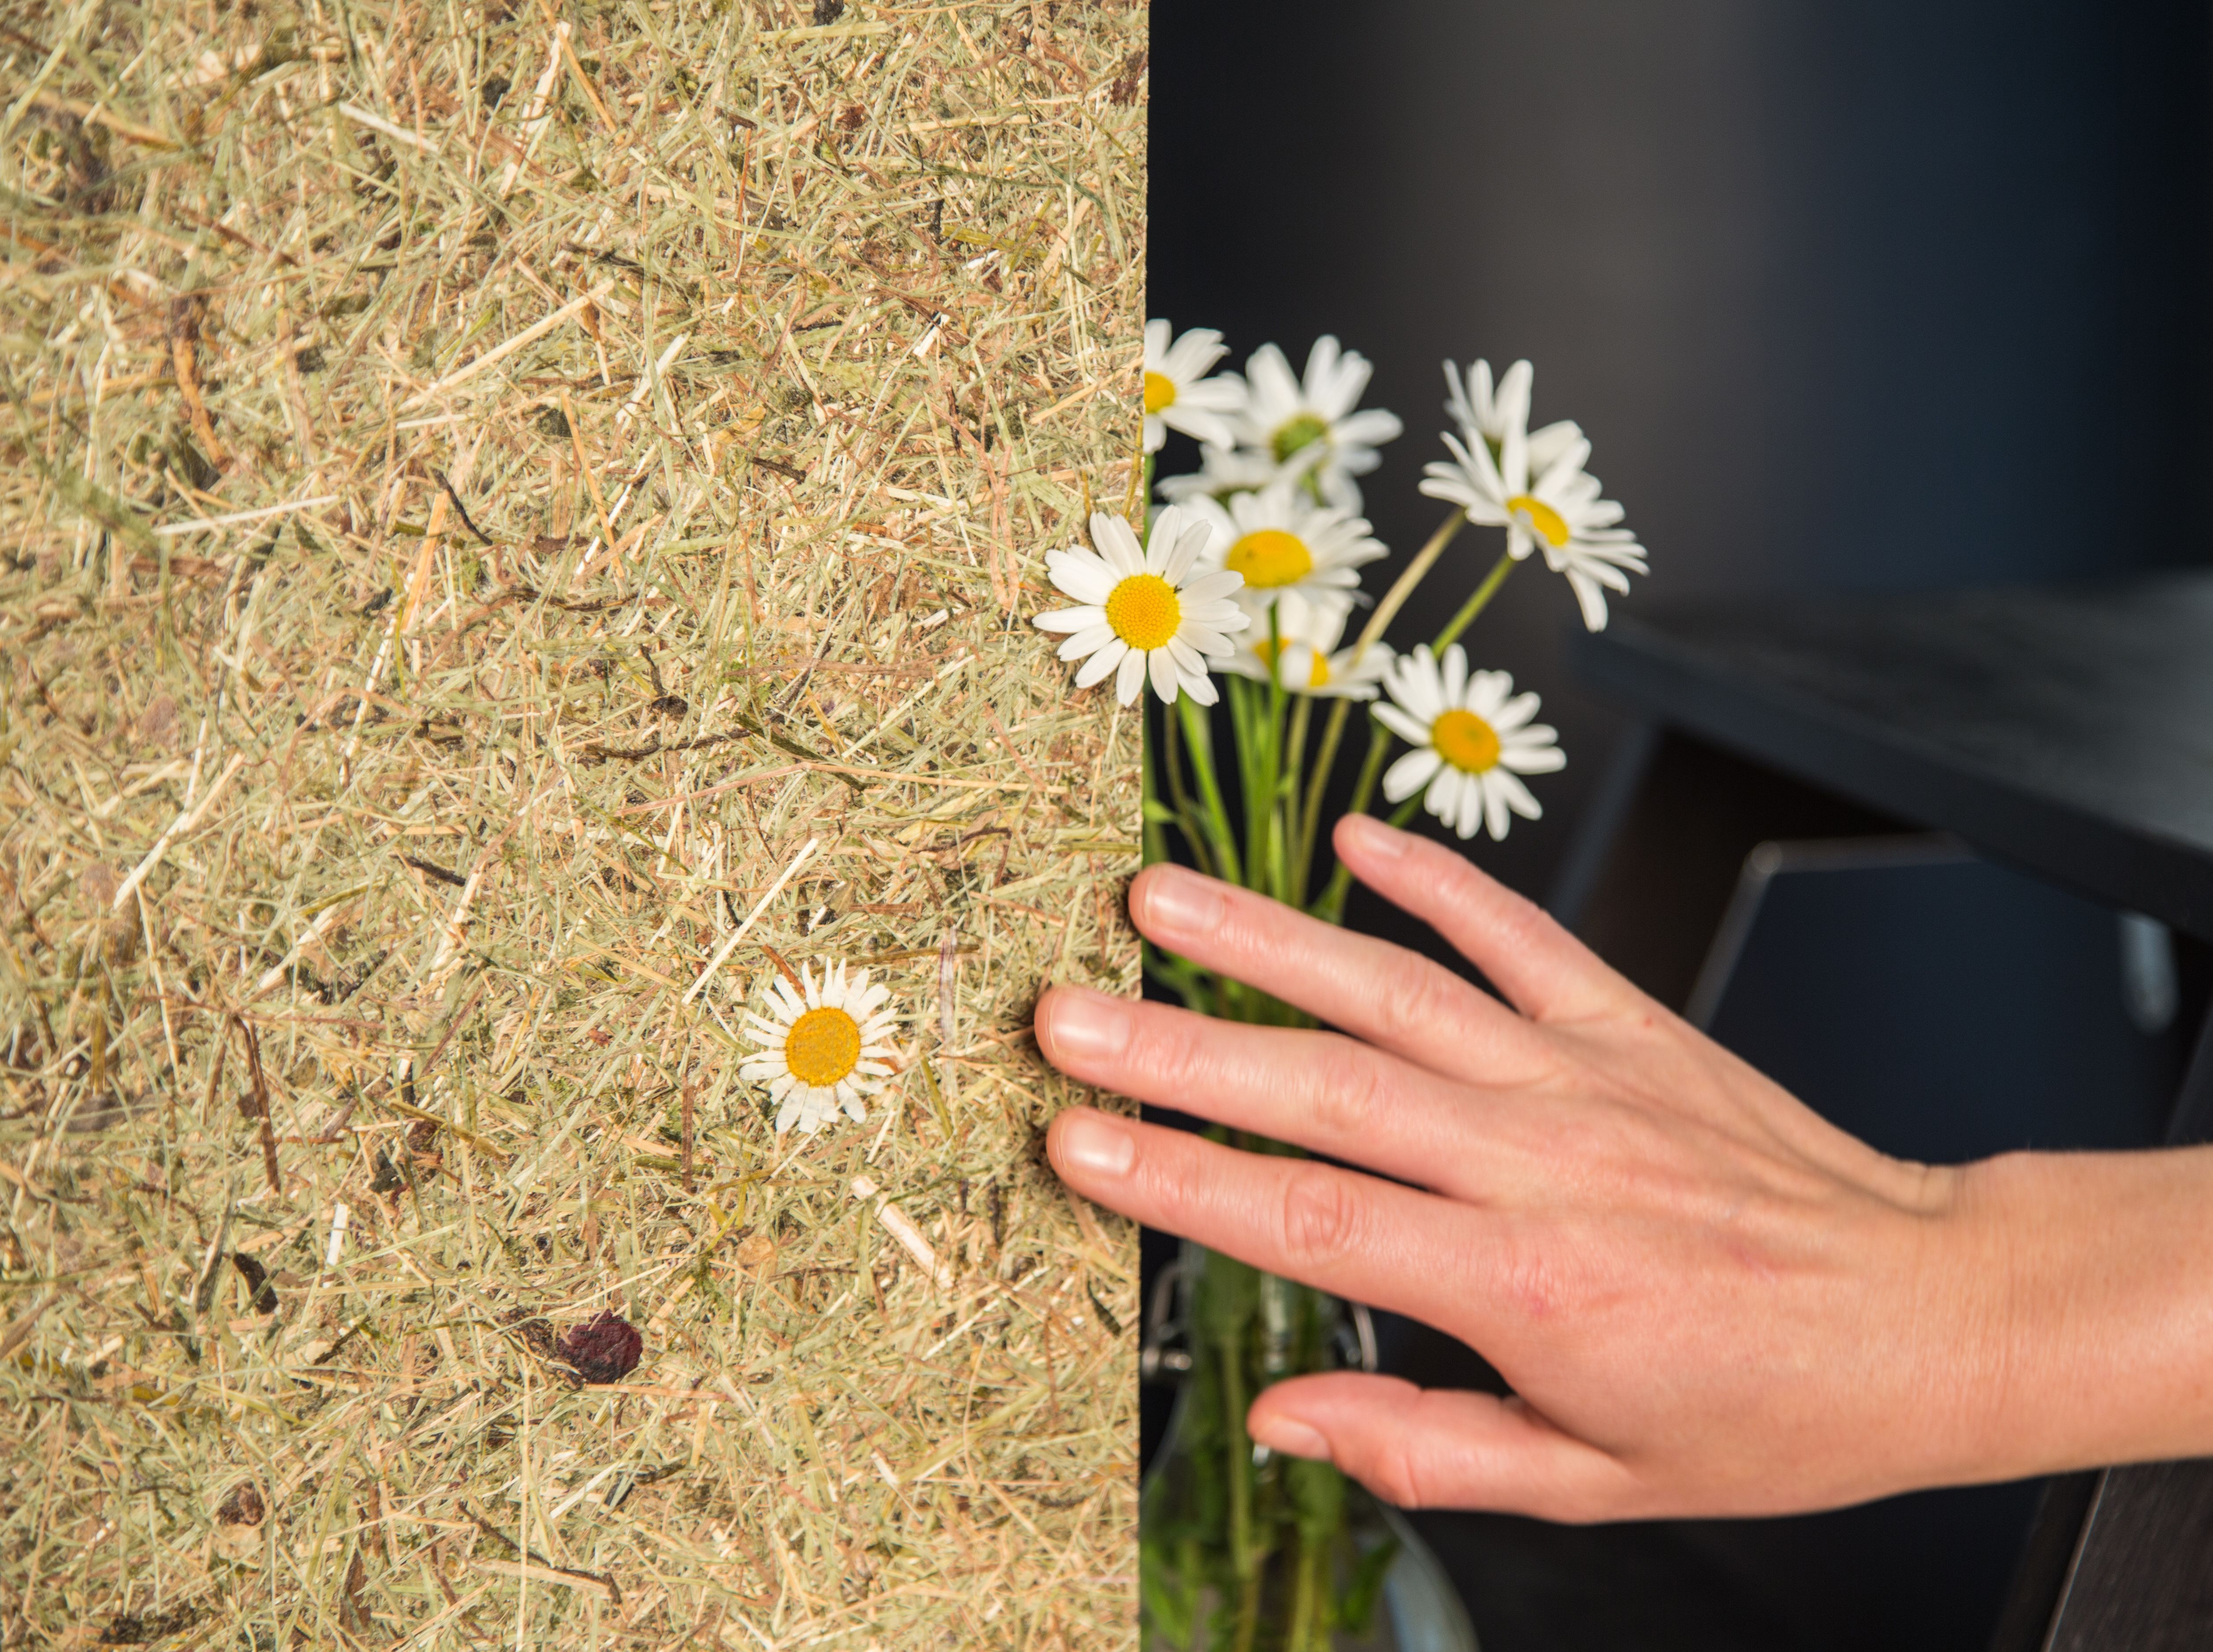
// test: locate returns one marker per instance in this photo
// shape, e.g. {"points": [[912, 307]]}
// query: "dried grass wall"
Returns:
{"points": [[498, 498]]}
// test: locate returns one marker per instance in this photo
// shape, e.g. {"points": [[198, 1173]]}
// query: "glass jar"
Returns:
{"points": [[1244, 1551]]}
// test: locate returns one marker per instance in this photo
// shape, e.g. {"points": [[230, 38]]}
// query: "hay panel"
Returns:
{"points": [[519, 526]]}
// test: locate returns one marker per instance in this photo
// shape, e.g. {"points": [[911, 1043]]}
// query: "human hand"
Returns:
{"points": [[1707, 1300]]}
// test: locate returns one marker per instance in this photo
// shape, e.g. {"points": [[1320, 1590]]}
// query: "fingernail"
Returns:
{"points": [[1183, 901], [1291, 1437], [1375, 838], [1093, 1142], [1082, 1023]]}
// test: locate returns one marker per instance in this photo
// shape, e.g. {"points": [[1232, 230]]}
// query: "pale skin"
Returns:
{"points": [[1707, 1300]]}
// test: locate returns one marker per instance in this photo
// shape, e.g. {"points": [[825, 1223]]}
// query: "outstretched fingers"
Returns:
{"points": [[1546, 973], [1373, 989], [1320, 1091], [1338, 1231], [1442, 1447]]}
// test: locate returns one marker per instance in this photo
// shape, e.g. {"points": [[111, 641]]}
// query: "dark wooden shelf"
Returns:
{"points": [[2067, 730]]}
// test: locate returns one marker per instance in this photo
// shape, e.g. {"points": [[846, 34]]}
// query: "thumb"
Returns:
{"points": [[1442, 1447]]}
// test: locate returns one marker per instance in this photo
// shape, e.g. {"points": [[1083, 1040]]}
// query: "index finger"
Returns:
{"points": [[1545, 972], [1351, 1235], [1384, 994]]}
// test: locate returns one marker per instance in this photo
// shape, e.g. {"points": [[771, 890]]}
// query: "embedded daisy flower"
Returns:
{"points": [[1311, 424], [1147, 611], [1472, 741], [1560, 509], [1304, 652], [823, 1046], [1479, 411], [1177, 396], [1280, 541]]}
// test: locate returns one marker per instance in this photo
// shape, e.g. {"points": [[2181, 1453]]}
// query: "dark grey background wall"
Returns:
{"points": [[1860, 293], [1866, 292]]}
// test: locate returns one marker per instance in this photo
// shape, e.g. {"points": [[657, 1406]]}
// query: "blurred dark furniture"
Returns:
{"points": [[2064, 733]]}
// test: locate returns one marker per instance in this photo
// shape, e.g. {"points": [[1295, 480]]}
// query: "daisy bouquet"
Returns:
{"points": [[1233, 601]]}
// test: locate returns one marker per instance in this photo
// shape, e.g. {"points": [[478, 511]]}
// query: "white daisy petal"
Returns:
{"points": [[1513, 713], [1455, 678], [1411, 773], [1519, 798], [1117, 544], [1115, 653], [1414, 730], [1129, 679], [1199, 422], [1212, 587], [1083, 575], [1088, 641], [1060, 620], [1165, 678]]}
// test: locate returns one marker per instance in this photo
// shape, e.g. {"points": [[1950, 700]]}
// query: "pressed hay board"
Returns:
{"points": [[456, 777]]}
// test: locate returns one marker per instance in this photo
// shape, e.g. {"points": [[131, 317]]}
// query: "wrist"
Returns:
{"points": [[2090, 1286]]}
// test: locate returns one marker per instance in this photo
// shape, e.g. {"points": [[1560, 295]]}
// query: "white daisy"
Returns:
{"points": [[1311, 426], [1224, 470], [824, 1046], [1177, 397], [1279, 540], [1480, 411], [1560, 509], [1305, 652], [1146, 611], [1472, 741]]}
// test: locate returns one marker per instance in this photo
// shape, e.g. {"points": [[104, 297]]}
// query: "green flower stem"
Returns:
{"points": [[1476, 603], [1293, 892], [1333, 732], [1271, 867], [1248, 1614], [1246, 1552], [1403, 587], [1333, 736], [1331, 907], [1155, 834], [1308, 1598], [1252, 758], [1199, 737], [1187, 812]]}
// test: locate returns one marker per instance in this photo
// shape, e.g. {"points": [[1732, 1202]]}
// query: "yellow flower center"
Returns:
{"points": [[1294, 434], [1549, 524], [823, 1046], [1466, 741], [1145, 611], [1160, 393], [1318, 673], [1269, 557]]}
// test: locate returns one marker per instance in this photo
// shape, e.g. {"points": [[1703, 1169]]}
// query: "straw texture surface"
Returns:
{"points": [[519, 526]]}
